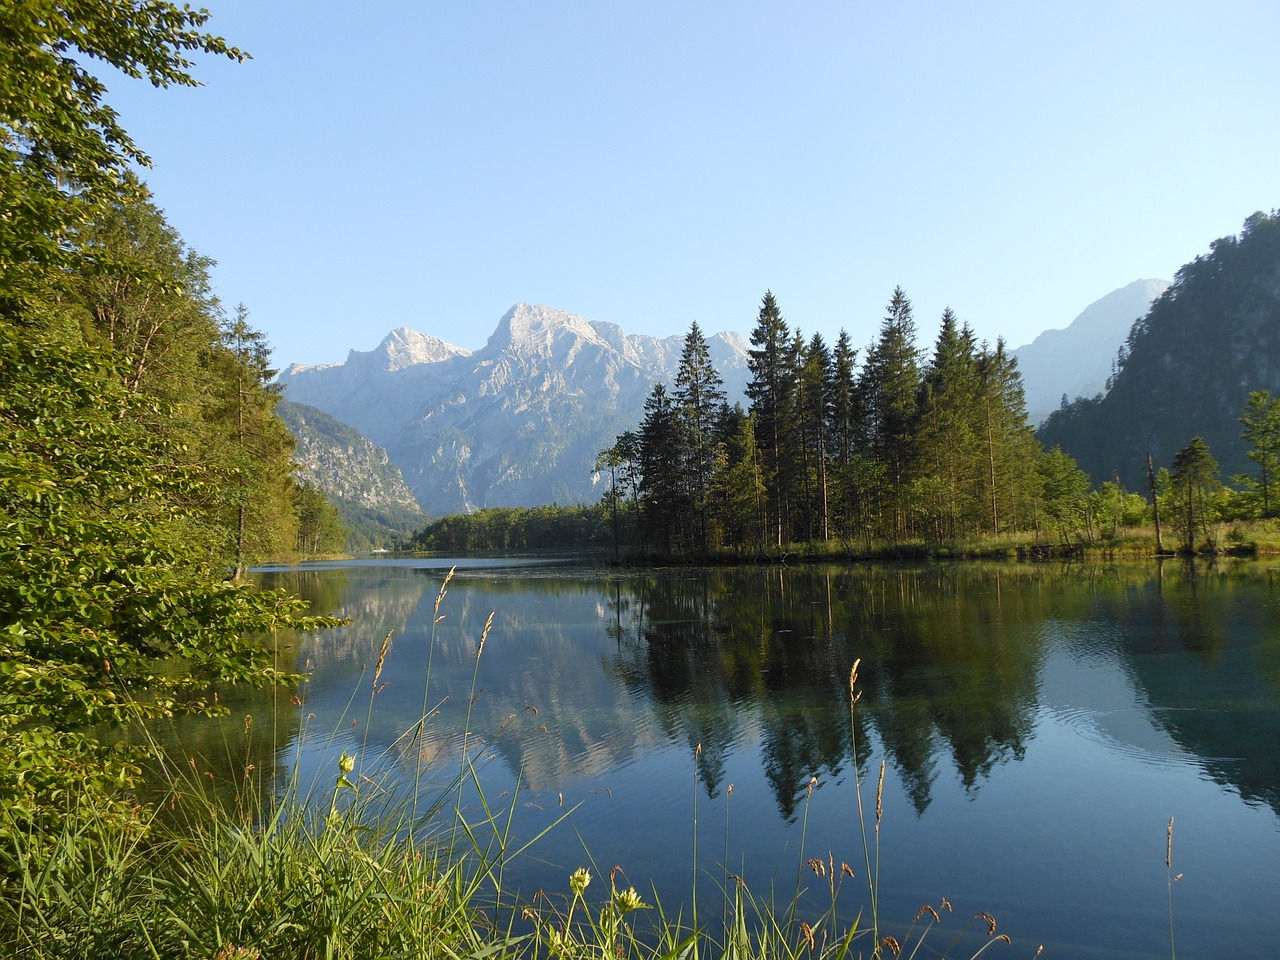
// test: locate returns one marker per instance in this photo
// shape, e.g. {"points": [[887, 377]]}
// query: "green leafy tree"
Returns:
{"points": [[108, 612], [63, 154], [320, 528], [1066, 492], [1111, 508], [257, 492], [110, 609]]}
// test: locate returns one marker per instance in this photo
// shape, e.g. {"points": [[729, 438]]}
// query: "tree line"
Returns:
{"points": [[904, 446]]}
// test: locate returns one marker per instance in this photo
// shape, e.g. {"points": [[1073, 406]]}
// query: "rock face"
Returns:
{"points": [[1077, 360], [517, 423], [355, 473]]}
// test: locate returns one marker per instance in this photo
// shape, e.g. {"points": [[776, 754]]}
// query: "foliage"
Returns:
{"points": [[1210, 339], [320, 528], [1261, 421], [1194, 485], [827, 453], [109, 609], [113, 601], [499, 529], [63, 154]]}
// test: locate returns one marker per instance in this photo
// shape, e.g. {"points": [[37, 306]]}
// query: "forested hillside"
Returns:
{"points": [[142, 466], [1189, 366]]}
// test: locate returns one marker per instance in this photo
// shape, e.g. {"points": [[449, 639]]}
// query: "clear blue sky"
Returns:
{"points": [[429, 164]]}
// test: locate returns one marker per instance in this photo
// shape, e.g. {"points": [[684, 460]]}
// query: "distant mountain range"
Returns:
{"points": [[520, 421], [517, 423], [1078, 360]]}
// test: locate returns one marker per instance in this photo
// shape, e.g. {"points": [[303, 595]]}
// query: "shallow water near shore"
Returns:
{"points": [[1039, 726]]}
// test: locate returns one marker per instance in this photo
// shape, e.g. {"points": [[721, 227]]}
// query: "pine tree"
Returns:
{"points": [[738, 489], [1261, 420], [1195, 481], [662, 490], [770, 390], [890, 386], [947, 445], [258, 449], [1009, 482], [845, 414], [698, 397], [815, 414]]}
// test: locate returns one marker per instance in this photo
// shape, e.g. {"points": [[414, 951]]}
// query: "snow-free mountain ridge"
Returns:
{"points": [[1077, 360], [518, 422]]}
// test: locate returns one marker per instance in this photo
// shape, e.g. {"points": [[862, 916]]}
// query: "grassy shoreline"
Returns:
{"points": [[348, 869]]}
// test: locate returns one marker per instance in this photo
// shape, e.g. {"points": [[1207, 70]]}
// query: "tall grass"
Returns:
{"points": [[350, 868]]}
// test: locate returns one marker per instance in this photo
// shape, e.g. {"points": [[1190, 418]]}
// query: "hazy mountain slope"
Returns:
{"points": [[1213, 337], [355, 473], [1076, 361], [377, 390], [517, 423]]}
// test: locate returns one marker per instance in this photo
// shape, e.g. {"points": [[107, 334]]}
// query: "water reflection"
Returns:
{"points": [[586, 672], [1037, 721]]}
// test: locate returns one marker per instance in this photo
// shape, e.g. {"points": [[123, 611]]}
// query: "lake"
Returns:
{"points": [[1039, 725]]}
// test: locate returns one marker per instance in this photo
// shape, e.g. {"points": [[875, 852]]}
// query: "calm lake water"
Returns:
{"points": [[1039, 726]]}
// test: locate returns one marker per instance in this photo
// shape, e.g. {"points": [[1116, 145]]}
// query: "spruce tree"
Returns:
{"points": [[1261, 421], [662, 488], [769, 391], [890, 387], [947, 446], [698, 396]]}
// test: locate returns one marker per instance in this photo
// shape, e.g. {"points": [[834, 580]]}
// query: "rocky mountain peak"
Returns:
{"points": [[404, 347], [533, 328]]}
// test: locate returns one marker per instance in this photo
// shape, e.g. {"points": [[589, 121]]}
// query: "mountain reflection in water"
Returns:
{"points": [[1040, 725]]}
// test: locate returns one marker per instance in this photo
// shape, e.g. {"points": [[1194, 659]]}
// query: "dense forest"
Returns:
{"points": [[908, 451], [904, 447], [1188, 367]]}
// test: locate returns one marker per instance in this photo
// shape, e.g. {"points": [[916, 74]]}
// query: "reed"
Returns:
{"points": [[350, 868]]}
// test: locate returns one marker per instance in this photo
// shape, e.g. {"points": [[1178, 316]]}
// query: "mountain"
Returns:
{"points": [[517, 423], [356, 474], [1077, 361], [1192, 361]]}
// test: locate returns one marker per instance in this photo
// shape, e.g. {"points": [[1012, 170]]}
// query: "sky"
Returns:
{"points": [[430, 164]]}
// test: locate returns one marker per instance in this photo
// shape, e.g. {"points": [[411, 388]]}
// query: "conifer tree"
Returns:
{"points": [[1195, 481], [947, 448], [662, 490], [845, 414], [770, 391], [698, 397], [1009, 481], [258, 492], [814, 418], [890, 386], [1261, 421]]}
